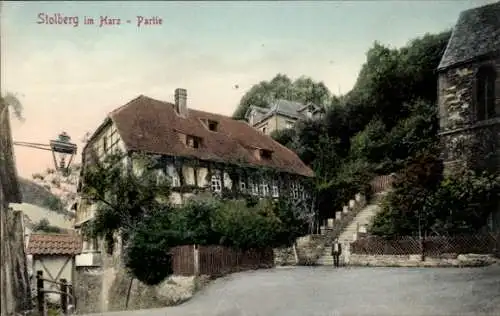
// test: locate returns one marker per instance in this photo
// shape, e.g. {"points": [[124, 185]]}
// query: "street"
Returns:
{"points": [[325, 291]]}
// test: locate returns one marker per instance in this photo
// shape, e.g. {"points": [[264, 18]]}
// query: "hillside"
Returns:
{"points": [[51, 196]]}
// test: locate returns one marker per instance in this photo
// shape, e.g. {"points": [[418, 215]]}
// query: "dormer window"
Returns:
{"points": [[212, 125], [193, 141], [266, 154], [485, 93]]}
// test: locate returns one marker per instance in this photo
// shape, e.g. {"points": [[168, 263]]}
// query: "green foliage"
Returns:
{"points": [[423, 201], [148, 255], [386, 121], [44, 226], [303, 90], [463, 202], [406, 209], [285, 137], [123, 198], [208, 221], [193, 222]]}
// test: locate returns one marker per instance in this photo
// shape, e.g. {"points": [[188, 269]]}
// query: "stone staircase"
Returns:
{"points": [[354, 219]]}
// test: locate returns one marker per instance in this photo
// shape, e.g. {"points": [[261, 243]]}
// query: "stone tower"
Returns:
{"points": [[469, 95], [469, 91]]}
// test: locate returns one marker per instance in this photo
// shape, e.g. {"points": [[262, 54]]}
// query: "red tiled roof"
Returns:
{"points": [[153, 126], [54, 244]]}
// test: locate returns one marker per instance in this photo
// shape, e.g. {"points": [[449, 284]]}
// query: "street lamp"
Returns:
{"points": [[61, 149]]}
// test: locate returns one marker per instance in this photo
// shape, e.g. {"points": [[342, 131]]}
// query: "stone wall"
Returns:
{"points": [[172, 291], [87, 289], [284, 256], [310, 248], [467, 142], [446, 260], [106, 288]]}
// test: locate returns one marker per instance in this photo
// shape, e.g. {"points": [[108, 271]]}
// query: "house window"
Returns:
{"points": [[485, 93], [295, 190], [212, 125], [264, 188], [243, 185], [253, 188], [174, 177], [275, 189], [266, 154], [264, 130], [289, 124], [193, 141], [216, 183]]}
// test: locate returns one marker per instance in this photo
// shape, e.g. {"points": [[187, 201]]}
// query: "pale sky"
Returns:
{"points": [[69, 78]]}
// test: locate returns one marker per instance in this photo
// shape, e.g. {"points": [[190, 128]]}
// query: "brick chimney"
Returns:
{"points": [[181, 102]]}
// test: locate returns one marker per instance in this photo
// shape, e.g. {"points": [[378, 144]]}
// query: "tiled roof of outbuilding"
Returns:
{"points": [[54, 244]]}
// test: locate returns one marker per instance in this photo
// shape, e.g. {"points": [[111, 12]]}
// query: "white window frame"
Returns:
{"points": [[216, 182], [174, 177], [295, 189], [264, 187], [253, 187], [275, 189], [288, 124]]}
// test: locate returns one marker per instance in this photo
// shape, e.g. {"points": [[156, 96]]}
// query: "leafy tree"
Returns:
{"points": [[148, 255], [408, 209], [193, 222], [11, 100], [285, 137], [122, 196], [463, 202]]}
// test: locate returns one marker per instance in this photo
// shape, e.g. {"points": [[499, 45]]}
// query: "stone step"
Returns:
{"points": [[325, 260]]}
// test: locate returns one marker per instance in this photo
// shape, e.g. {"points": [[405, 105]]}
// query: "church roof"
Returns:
{"points": [[476, 34]]}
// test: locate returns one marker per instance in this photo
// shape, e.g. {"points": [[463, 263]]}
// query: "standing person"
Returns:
{"points": [[336, 251]]}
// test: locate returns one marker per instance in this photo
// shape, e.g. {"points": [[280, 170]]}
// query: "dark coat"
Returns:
{"points": [[339, 245]]}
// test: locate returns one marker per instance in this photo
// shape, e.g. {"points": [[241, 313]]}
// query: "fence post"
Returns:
{"points": [[422, 248], [72, 298], [196, 257], [39, 292], [64, 296]]}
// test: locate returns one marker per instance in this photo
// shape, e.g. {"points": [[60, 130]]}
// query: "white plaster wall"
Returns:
{"points": [[54, 264]]}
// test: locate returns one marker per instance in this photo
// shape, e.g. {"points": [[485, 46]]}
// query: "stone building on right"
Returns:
{"points": [[469, 94]]}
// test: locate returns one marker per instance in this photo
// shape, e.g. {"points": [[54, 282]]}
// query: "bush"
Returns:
{"points": [[44, 226], [147, 255], [458, 204], [233, 223]]}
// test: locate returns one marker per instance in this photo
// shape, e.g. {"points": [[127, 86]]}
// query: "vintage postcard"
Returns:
{"points": [[270, 158]]}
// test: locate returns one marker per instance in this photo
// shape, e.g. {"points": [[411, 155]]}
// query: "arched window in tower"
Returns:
{"points": [[485, 93]]}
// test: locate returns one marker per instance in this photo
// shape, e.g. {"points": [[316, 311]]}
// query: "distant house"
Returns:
{"points": [[282, 114], [469, 94], [197, 150]]}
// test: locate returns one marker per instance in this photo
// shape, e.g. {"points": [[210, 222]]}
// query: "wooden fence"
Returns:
{"points": [[218, 260], [381, 183], [487, 243], [65, 291]]}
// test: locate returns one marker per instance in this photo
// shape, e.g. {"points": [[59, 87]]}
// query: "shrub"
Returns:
{"points": [[457, 204], [44, 226]]}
